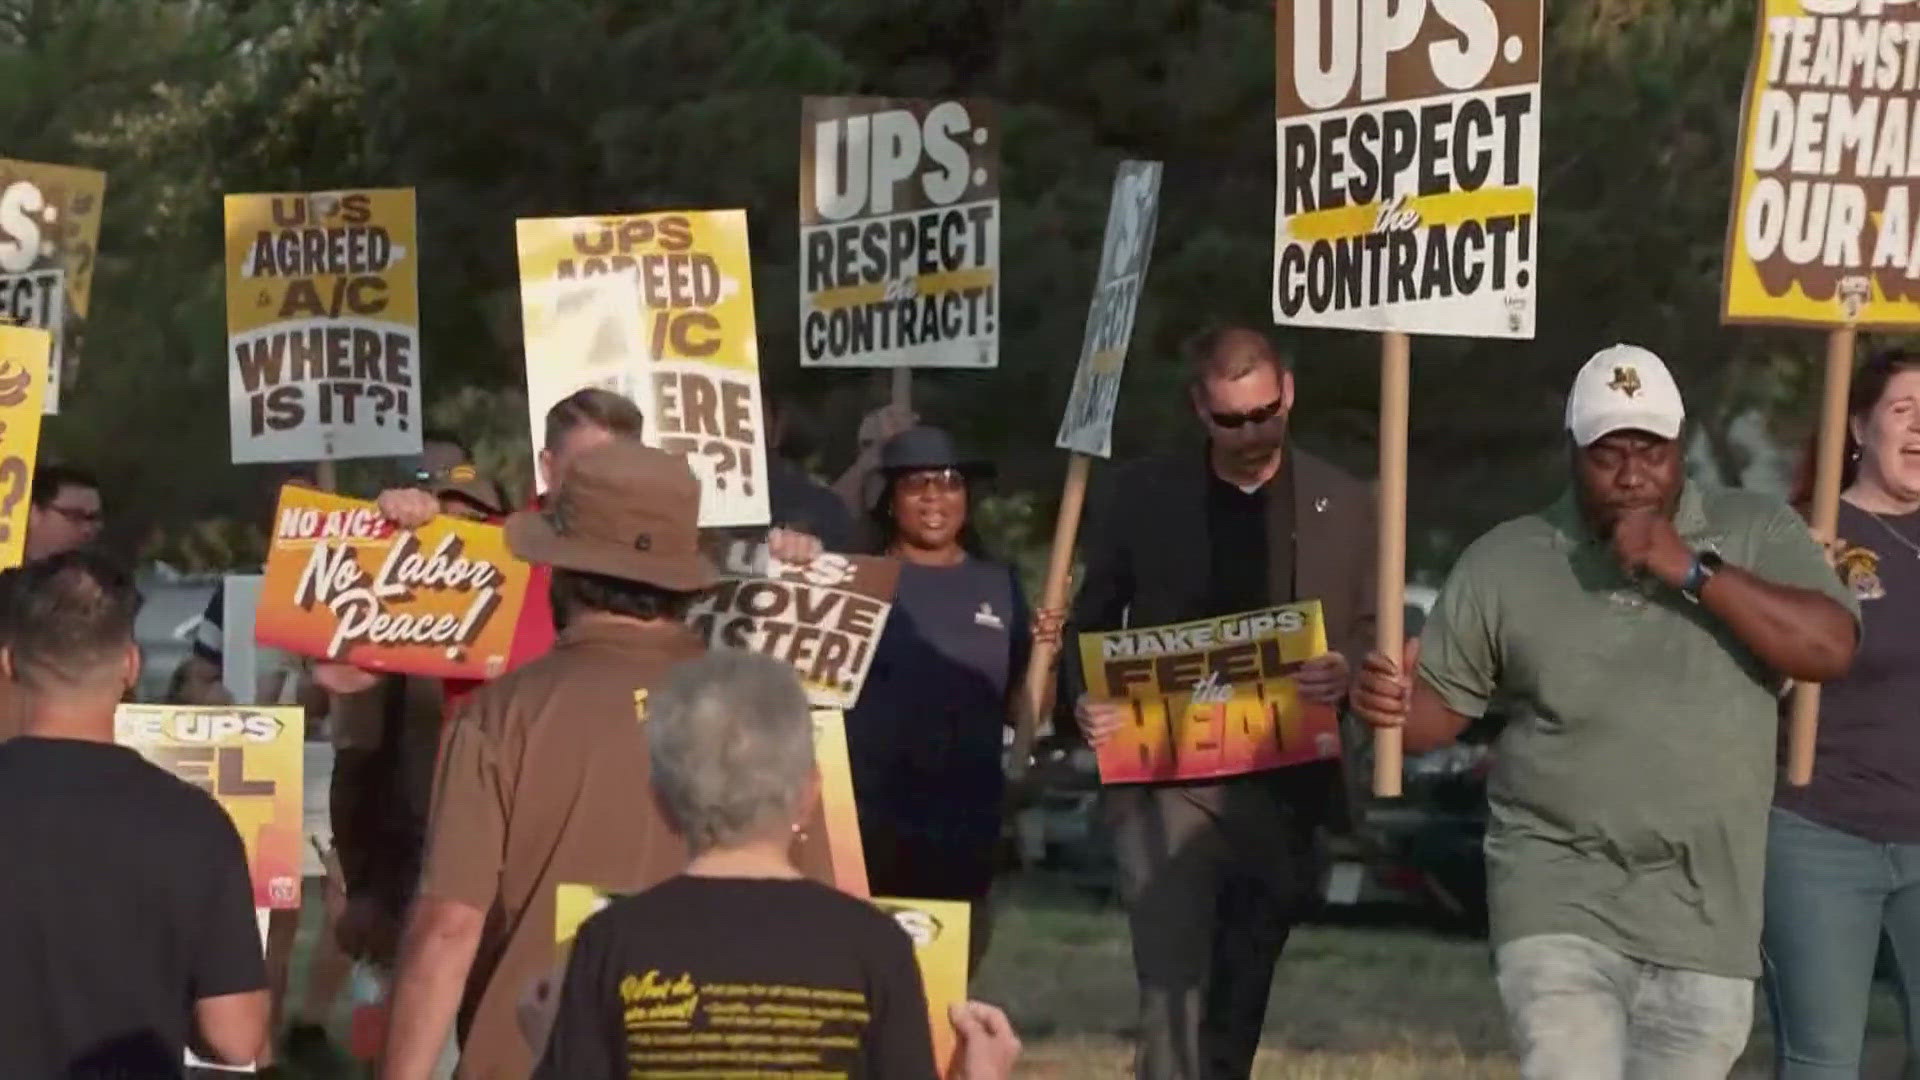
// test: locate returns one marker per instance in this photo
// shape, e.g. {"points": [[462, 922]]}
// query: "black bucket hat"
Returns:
{"points": [[919, 449]]}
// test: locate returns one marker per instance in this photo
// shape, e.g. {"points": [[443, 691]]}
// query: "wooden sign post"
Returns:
{"points": [[1053, 597], [1391, 558], [1825, 513]]}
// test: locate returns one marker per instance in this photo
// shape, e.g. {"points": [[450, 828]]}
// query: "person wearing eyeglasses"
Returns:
{"points": [[926, 736], [65, 512], [1215, 873]]}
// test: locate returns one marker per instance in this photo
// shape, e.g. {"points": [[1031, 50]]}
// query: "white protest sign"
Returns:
{"points": [[1408, 137], [1124, 252], [899, 233], [584, 332]]}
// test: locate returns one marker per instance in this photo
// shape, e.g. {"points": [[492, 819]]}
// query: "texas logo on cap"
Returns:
{"points": [[1626, 380]]}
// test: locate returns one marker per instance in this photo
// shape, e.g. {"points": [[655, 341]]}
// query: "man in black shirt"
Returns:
{"points": [[1214, 873], [126, 915]]}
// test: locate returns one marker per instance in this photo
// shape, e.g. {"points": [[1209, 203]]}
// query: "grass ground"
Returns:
{"points": [[1375, 1002], [1354, 1002]]}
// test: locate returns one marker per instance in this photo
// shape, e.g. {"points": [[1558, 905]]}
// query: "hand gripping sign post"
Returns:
{"points": [[49, 228], [1086, 431], [323, 326], [1408, 137], [1822, 231], [899, 235]]}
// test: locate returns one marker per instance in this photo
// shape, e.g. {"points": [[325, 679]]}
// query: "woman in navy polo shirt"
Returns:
{"points": [[926, 736]]}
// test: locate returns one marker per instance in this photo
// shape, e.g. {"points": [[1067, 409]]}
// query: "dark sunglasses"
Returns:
{"points": [[1252, 416]]}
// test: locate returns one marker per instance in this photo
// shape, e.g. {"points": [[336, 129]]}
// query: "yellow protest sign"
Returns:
{"points": [[1214, 697], [1822, 228], [24, 358], [689, 276], [49, 230], [942, 934], [323, 325], [251, 760]]}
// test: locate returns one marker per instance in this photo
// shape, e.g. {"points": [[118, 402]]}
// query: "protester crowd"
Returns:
{"points": [[1646, 868]]}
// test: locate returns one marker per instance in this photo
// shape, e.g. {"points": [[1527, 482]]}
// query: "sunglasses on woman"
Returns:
{"points": [[944, 481]]}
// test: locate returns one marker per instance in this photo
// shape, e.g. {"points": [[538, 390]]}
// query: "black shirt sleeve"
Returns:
{"points": [[586, 1041], [899, 1043], [230, 959], [209, 637]]}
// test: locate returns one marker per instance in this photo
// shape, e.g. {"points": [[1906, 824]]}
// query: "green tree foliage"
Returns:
{"points": [[497, 109]]}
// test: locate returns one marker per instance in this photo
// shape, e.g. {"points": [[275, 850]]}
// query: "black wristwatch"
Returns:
{"points": [[1705, 565]]}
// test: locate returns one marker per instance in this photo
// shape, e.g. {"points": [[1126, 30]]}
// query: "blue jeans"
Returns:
{"points": [[1581, 1011], [1829, 895]]}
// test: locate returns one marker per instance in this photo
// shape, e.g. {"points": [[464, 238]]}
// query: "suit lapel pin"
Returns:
{"points": [[1320, 505]]}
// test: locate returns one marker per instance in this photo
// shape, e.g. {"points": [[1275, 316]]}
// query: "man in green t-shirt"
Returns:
{"points": [[1649, 626]]}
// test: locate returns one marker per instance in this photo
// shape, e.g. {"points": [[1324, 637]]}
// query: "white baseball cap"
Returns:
{"points": [[1624, 388]]}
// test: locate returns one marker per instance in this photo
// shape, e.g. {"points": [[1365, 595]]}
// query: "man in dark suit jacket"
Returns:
{"points": [[1215, 873]]}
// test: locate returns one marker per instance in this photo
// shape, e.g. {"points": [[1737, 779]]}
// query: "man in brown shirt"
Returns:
{"points": [[543, 777]]}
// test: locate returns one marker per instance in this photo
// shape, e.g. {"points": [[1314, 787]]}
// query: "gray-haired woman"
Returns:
{"points": [[741, 964]]}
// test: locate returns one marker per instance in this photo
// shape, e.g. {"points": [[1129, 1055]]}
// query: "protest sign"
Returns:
{"points": [[1087, 428], [323, 325], [689, 333], [1822, 230], [249, 760], [899, 233], [1215, 697], [824, 618], [1409, 159], [1124, 251], [24, 358], [837, 819], [49, 234], [342, 583], [941, 931]]}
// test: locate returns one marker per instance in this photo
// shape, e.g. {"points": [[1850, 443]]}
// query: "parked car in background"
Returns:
{"points": [[171, 605]]}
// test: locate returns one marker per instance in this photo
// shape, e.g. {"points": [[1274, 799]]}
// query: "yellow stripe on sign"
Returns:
{"points": [[1448, 208], [950, 281]]}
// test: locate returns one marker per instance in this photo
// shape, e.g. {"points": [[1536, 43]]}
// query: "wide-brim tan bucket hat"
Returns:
{"points": [[625, 511]]}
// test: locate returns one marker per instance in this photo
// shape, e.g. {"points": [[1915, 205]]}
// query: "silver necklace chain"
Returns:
{"points": [[1895, 533]]}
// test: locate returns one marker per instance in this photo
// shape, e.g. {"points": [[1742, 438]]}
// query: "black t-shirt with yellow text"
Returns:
{"points": [[715, 978]]}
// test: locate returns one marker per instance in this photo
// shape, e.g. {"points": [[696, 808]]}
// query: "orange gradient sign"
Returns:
{"points": [[343, 584], [1211, 698], [837, 816], [941, 931], [251, 761]]}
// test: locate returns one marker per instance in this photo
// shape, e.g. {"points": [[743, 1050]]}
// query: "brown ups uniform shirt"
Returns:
{"points": [[543, 781]]}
